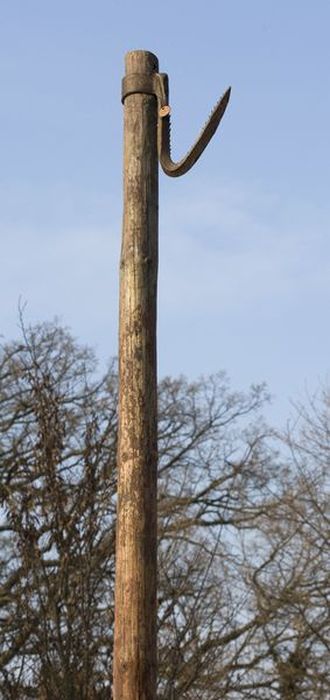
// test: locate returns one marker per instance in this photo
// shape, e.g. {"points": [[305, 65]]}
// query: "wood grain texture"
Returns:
{"points": [[135, 654]]}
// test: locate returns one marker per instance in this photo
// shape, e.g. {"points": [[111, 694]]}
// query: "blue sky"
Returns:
{"points": [[244, 237]]}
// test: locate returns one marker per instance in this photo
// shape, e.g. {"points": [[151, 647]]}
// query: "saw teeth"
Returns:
{"points": [[175, 169]]}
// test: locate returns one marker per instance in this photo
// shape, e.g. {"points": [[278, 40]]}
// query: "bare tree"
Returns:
{"points": [[243, 587], [58, 441]]}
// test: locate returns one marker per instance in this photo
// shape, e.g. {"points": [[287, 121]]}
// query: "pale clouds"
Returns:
{"points": [[71, 274], [231, 246], [244, 282], [244, 286]]}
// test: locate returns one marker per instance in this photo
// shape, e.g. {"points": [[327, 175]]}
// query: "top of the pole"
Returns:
{"points": [[141, 62], [142, 76]]}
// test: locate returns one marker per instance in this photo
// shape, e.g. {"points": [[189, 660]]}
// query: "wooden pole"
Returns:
{"points": [[136, 553], [146, 137]]}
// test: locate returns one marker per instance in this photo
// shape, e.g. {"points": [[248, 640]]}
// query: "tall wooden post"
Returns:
{"points": [[135, 594], [146, 138]]}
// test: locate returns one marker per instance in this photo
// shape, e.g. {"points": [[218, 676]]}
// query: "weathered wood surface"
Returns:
{"points": [[135, 648]]}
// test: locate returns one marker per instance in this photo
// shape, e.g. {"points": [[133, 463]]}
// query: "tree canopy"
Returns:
{"points": [[244, 533]]}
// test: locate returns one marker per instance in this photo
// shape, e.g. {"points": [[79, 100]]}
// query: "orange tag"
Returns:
{"points": [[165, 111]]}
